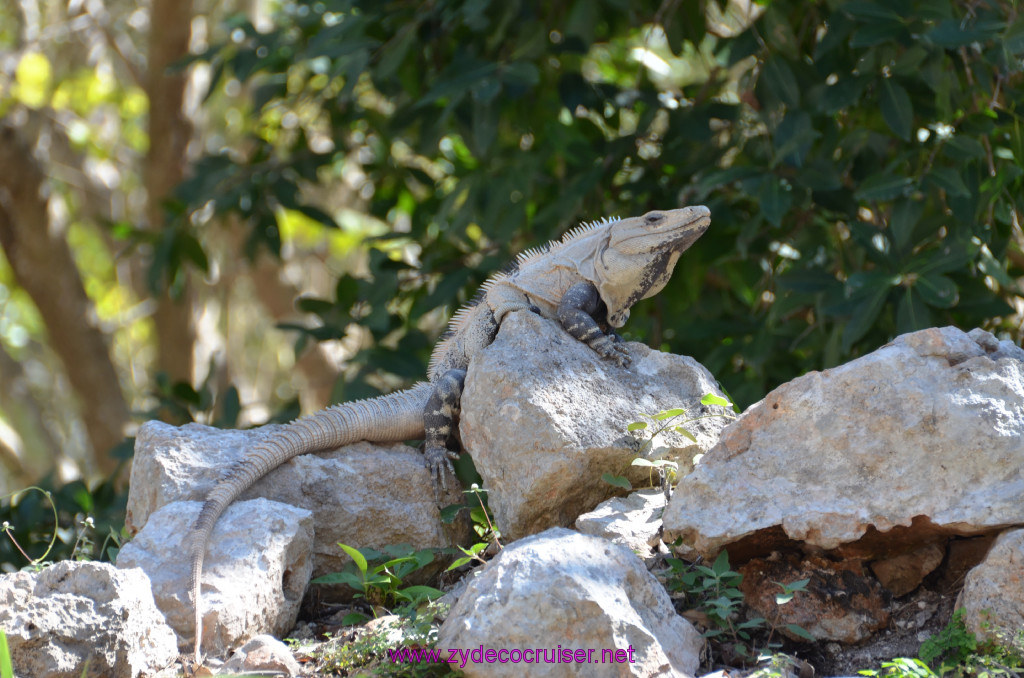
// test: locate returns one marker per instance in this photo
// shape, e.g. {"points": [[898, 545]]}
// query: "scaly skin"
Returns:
{"points": [[587, 282]]}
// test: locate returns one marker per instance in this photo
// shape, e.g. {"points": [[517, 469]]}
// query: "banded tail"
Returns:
{"points": [[390, 418]]}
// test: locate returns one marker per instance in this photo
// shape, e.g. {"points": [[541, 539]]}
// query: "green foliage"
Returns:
{"points": [[955, 651], [71, 521], [180, 403], [901, 667], [666, 420], [367, 654], [483, 525], [381, 584], [6, 669], [714, 591], [951, 646], [862, 161]]}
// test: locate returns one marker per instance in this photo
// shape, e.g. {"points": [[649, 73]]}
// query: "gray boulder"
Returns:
{"points": [[569, 604], [633, 521], [263, 655], [257, 568], [347, 490], [993, 593], [543, 417], [73, 614], [887, 452]]}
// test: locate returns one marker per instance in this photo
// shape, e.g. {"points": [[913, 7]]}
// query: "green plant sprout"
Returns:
{"points": [[715, 592], [666, 420], [381, 584], [7, 528], [482, 525]]}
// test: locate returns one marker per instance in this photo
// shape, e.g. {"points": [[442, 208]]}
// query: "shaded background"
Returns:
{"points": [[235, 212]]}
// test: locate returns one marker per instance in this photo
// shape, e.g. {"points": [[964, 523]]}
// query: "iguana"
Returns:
{"points": [[587, 281]]}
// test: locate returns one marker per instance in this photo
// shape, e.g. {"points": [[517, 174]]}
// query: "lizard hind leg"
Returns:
{"points": [[438, 424]]}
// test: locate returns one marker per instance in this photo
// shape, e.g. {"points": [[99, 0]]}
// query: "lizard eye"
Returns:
{"points": [[652, 218]]}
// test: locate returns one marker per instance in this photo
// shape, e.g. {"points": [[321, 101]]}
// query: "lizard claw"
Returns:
{"points": [[611, 350], [439, 460]]}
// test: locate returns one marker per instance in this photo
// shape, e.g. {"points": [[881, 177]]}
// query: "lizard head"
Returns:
{"points": [[640, 254]]}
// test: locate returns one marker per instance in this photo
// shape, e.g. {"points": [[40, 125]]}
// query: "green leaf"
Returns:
{"points": [[949, 180], [457, 563], [806, 281], [457, 80], [347, 578], [418, 593], [686, 434], [864, 10], [356, 557], [712, 399], [520, 74], [959, 147], [953, 33], [912, 313], [616, 481], [721, 565], [1013, 38], [783, 598], [874, 289], [905, 215], [637, 426], [640, 461], [937, 290], [355, 619], [394, 54], [873, 34], [774, 199], [883, 187], [989, 265], [448, 513], [800, 631], [897, 109], [668, 414], [6, 670], [781, 82], [950, 257]]}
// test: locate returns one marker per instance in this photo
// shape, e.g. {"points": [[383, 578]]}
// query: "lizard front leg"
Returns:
{"points": [[576, 312], [438, 418]]}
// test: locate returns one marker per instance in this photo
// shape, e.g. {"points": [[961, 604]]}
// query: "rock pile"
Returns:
{"points": [[879, 490]]}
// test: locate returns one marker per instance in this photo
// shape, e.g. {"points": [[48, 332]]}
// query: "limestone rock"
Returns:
{"points": [[347, 490], [256, 570], [633, 521], [993, 594], [903, 573], [71, 613], [264, 654], [840, 602], [544, 417], [569, 591], [907, 443]]}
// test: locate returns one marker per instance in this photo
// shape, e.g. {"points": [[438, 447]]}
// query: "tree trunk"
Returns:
{"points": [[170, 131], [43, 266]]}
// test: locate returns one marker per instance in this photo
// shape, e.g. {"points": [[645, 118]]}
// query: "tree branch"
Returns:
{"points": [[170, 131], [43, 266]]}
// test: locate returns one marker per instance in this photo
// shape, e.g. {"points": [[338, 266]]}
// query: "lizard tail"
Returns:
{"points": [[390, 418]]}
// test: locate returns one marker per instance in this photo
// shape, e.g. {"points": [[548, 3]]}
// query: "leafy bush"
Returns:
{"points": [[862, 160]]}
